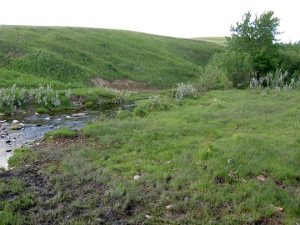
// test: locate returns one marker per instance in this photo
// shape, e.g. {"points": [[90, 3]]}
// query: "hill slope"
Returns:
{"points": [[217, 40], [72, 56]]}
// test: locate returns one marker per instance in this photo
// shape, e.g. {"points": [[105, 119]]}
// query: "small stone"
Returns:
{"points": [[36, 113], [8, 141], [277, 208], [15, 121], [17, 126], [233, 174], [39, 125], [261, 178], [8, 150], [169, 207], [47, 118], [136, 177], [68, 117], [79, 114], [148, 216], [186, 198]]}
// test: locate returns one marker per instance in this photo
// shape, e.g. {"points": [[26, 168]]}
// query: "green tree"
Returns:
{"points": [[258, 39]]}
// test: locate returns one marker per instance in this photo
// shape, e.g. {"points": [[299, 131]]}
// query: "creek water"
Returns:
{"points": [[34, 128]]}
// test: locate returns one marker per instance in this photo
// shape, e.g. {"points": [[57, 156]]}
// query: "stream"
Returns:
{"points": [[22, 130], [15, 134]]}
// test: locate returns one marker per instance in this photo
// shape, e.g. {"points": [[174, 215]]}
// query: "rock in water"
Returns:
{"points": [[15, 121], [17, 126], [79, 114]]}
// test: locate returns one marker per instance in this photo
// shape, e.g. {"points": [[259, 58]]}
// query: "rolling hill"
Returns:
{"points": [[217, 40], [71, 57]]}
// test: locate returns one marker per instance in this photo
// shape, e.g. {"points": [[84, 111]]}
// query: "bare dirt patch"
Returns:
{"points": [[122, 85]]}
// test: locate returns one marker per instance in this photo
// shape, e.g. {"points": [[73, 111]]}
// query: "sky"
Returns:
{"points": [[177, 18]]}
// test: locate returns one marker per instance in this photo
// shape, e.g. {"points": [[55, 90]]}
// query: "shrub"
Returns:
{"points": [[213, 78], [185, 90], [44, 96], [14, 97], [277, 80], [239, 67]]}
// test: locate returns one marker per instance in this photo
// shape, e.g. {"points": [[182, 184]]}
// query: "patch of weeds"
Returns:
{"points": [[123, 114], [9, 217], [13, 200], [22, 156], [64, 132], [208, 152], [155, 103]]}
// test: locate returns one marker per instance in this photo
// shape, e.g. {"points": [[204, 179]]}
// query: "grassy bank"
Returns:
{"points": [[225, 157], [71, 57]]}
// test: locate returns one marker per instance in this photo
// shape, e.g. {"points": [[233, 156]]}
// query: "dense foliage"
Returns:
{"points": [[253, 53], [257, 38]]}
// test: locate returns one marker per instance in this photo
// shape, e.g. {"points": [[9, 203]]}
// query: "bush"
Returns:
{"points": [[238, 66], [185, 90], [44, 96], [277, 80], [212, 79]]}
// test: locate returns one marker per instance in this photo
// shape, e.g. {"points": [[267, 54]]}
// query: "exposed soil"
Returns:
{"points": [[122, 85]]}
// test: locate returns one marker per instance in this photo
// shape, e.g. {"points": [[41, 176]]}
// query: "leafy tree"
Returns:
{"points": [[258, 39]]}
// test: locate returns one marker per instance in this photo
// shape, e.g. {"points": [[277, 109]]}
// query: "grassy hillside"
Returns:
{"points": [[72, 56], [217, 40], [227, 157]]}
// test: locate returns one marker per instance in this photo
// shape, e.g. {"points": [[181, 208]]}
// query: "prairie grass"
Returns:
{"points": [[70, 57], [196, 163]]}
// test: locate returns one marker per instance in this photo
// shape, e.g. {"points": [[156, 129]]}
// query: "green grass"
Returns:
{"points": [[14, 197], [64, 132], [22, 155], [202, 155], [217, 40], [70, 57], [191, 150]]}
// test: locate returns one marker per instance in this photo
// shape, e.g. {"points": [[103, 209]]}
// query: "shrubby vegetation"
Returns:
{"points": [[275, 81], [18, 98], [185, 90]]}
